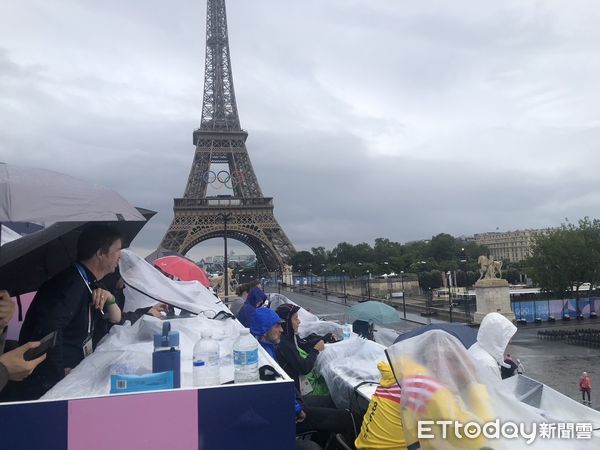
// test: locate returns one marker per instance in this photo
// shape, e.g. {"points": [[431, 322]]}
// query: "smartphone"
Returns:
{"points": [[46, 344]]}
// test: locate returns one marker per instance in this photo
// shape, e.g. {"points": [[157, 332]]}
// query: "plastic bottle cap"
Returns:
{"points": [[206, 334]]}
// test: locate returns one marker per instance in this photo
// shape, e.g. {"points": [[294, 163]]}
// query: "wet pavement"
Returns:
{"points": [[557, 363], [554, 363]]}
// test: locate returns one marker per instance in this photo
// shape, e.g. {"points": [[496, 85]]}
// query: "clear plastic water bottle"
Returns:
{"points": [[245, 358], [206, 361], [347, 330]]}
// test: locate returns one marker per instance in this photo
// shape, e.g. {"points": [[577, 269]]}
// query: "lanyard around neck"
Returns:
{"points": [[86, 281]]}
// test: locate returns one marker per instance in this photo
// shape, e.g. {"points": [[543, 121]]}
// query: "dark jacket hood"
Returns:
{"points": [[255, 297]]}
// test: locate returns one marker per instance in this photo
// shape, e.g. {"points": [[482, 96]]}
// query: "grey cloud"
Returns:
{"points": [[366, 119]]}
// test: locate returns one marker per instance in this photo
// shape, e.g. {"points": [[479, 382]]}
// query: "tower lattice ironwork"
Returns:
{"points": [[247, 215]]}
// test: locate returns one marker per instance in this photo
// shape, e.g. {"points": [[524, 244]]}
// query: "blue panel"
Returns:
{"points": [[249, 417], [569, 308], [527, 311], [541, 309], [584, 306], [33, 426]]}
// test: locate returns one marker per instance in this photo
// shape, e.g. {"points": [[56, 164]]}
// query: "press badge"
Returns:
{"points": [[305, 386], [87, 347]]}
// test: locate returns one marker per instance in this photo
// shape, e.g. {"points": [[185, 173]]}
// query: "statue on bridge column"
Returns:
{"points": [[488, 268]]}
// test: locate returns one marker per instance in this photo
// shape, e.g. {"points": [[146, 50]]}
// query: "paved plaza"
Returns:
{"points": [[557, 363]]}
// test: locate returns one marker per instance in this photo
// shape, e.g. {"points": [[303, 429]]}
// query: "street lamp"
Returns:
{"points": [[325, 278], [388, 280], [279, 281], [344, 284], [225, 218], [368, 285], [311, 280], [403, 296], [449, 282]]}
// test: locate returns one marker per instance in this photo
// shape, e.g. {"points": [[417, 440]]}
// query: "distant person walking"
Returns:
{"points": [[585, 386]]}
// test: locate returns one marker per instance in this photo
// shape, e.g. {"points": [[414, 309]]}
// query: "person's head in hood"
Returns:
{"points": [[291, 321], [256, 297], [266, 326], [494, 334]]}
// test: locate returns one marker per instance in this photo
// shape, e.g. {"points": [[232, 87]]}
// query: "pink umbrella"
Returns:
{"points": [[183, 268]]}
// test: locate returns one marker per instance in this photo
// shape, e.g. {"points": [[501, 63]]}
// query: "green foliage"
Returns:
{"points": [[511, 275], [442, 252], [430, 280], [564, 258], [302, 260], [443, 247]]}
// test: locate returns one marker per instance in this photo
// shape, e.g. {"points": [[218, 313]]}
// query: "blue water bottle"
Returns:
{"points": [[166, 354]]}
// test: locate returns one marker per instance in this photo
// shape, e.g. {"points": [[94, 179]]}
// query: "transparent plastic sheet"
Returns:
{"points": [[309, 322], [188, 295], [549, 403], [384, 336], [439, 381], [348, 363], [131, 346], [276, 300]]}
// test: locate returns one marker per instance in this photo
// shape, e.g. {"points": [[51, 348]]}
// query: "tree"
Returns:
{"points": [[443, 247], [320, 258], [302, 260], [566, 257], [511, 275], [430, 280], [461, 278]]}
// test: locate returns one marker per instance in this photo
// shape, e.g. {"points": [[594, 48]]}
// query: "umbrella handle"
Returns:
{"points": [[20, 306]]}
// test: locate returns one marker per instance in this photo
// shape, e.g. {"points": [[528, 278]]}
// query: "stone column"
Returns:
{"points": [[492, 295], [287, 276]]}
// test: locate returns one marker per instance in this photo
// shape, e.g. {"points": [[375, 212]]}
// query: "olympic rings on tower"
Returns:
{"points": [[223, 178]]}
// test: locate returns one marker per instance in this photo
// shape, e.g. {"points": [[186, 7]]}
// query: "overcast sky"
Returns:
{"points": [[366, 119]]}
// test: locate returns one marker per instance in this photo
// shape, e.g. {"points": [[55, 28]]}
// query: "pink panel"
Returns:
{"points": [[14, 326], [157, 421]]}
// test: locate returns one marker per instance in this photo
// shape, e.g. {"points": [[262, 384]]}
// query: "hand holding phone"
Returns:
{"points": [[46, 344], [15, 364]]}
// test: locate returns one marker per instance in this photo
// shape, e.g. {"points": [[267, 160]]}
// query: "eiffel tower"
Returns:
{"points": [[247, 215]]}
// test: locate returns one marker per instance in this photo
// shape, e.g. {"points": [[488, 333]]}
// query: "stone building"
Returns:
{"points": [[513, 246]]}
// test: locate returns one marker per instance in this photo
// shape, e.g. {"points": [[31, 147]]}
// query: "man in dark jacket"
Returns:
{"points": [[71, 303]]}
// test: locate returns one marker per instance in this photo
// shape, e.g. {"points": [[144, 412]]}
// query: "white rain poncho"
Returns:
{"points": [[493, 336], [148, 286]]}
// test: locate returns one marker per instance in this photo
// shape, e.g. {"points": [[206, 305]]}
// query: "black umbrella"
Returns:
{"points": [[465, 334], [26, 263]]}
